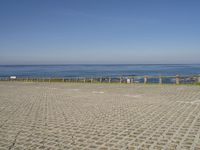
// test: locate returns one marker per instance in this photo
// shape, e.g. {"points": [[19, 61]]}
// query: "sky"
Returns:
{"points": [[99, 32]]}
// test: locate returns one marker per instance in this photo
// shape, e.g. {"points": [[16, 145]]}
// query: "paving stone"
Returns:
{"points": [[55, 116]]}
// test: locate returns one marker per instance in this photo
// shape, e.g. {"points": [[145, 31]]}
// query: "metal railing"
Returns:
{"points": [[129, 79]]}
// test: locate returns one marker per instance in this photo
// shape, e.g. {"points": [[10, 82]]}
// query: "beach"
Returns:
{"points": [[58, 116]]}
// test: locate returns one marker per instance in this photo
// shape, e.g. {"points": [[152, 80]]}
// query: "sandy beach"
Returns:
{"points": [[63, 116]]}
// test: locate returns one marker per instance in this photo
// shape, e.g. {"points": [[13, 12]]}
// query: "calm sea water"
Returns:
{"points": [[96, 70]]}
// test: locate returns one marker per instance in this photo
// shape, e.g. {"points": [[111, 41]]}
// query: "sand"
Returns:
{"points": [[62, 116]]}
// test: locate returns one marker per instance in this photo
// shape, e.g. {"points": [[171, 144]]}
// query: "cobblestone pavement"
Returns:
{"points": [[61, 116]]}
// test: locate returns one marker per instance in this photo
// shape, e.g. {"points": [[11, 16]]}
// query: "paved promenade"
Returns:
{"points": [[64, 116]]}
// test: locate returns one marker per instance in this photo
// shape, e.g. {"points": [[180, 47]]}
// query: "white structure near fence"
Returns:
{"points": [[128, 80], [13, 77]]}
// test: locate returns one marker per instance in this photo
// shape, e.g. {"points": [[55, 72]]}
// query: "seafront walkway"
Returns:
{"points": [[58, 116]]}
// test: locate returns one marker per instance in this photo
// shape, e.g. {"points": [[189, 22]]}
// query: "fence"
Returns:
{"points": [[129, 79]]}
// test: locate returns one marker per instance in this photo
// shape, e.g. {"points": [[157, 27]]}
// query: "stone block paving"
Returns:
{"points": [[73, 116]]}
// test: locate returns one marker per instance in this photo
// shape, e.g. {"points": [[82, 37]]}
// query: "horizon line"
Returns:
{"points": [[100, 64]]}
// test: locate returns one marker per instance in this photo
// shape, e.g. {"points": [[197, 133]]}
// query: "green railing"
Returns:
{"points": [[129, 79]]}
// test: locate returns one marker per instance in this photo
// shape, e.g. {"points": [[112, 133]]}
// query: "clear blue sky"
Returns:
{"points": [[99, 31]]}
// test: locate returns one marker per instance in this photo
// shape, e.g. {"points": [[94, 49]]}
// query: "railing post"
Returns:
{"points": [[198, 79], [177, 79], [160, 80], [120, 80], [132, 80], [109, 79], [145, 79], [100, 80]]}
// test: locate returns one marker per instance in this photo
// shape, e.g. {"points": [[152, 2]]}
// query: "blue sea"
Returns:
{"points": [[98, 70]]}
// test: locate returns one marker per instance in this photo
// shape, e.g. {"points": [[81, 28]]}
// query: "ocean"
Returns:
{"points": [[111, 70]]}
